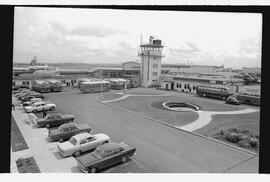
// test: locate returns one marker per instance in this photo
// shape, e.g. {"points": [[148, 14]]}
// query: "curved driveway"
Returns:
{"points": [[159, 148]]}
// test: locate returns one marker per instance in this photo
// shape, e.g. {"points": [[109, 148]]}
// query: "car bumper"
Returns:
{"points": [[62, 152], [82, 167]]}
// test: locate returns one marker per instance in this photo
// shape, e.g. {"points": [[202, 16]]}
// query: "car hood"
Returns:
{"points": [[87, 159], [65, 145], [40, 120], [28, 107], [68, 116], [102, 136]]}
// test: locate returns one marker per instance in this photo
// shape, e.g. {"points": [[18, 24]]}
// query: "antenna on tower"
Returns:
{"points": [[141, 38]]}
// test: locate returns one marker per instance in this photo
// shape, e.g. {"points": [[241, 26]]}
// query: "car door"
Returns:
{"points": [[110, 158], [41, 107], [85, 145], [59, 119]]}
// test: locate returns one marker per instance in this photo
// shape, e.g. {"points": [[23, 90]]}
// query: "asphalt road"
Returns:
{"points": [[160, 149]]}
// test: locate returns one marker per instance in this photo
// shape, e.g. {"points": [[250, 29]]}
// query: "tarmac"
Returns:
{"points": [[44, 152]]}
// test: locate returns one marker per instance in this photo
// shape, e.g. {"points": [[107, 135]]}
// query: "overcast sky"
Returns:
{"points": [[113, 36]]}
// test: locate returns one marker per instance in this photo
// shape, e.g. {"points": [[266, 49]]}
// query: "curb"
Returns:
{"points": [[172, 126]]}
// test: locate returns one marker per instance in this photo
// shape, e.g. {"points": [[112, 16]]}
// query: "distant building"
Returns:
{"points": [[254, 70], [151, 54], [130, 65], [189, 82], [188, 68], [132, 75]]}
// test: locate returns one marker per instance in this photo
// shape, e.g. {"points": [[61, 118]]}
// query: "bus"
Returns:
{"points": [[250, 99], [213, 92], [41, 86], [55, 85], [119, 83], [94, 86]]}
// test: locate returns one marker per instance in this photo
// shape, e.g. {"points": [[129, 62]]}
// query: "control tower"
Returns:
{"points": [[151, 54]]}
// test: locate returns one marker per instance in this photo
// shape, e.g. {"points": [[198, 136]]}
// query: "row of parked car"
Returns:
{"points": [[92, 152]]}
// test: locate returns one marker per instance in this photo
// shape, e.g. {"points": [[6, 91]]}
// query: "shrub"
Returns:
{"points": [[253, 142], [243, 136], [235, 130], [232, 137], [244, 143]]}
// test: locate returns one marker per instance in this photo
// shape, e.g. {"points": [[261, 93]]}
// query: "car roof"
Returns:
{"points": [[111, 145], [82, 136], [39, 103], [67, 125]]}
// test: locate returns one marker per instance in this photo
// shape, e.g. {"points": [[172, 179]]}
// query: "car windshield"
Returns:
{"points": [[73, 141], [98, 153]]}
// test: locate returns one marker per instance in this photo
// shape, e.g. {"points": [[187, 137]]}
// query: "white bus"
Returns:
{"points": [[94, 86], [119, 83], [55, 85]]}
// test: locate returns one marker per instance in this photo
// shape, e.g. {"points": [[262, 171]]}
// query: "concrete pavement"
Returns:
{"points": [[159, 148], [44, 152]]}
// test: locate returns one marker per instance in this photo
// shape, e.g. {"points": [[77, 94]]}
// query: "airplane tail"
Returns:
{"points": [[33, 61]]}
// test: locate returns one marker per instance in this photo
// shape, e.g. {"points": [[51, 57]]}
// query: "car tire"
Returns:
{"points": [[77, 153], [52, 108], [93, 170], [124, 159], [61, 140], [47, 126], [223, 98]]}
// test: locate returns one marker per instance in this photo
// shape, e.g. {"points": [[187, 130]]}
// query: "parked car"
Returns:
{"points": [[232, 100], [81, 143], [54, 119], [20, 90], [27, 98], [65, 131], [105, 156], [17, 87], [32, 101], [40, 106], [37, 95], [25, 94]]}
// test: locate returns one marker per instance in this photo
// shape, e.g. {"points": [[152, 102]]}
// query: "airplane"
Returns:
{"points": [[29, 69], [46, 70]]}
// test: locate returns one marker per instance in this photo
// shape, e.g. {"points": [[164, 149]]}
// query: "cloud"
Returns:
{"points": [[86, 30]]}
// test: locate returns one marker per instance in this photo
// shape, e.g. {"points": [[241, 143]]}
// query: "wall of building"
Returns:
{"points": [[131, 66], [188, 68], [189, 85]]}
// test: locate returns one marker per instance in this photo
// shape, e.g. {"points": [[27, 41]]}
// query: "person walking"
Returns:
{"points": [[13, 106], [44, 113]]}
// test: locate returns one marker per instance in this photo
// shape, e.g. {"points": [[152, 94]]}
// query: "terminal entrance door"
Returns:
{"points": [[172, 86]]}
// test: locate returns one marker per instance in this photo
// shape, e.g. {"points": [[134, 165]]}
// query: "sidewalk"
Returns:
{"points": [[44, 152]]}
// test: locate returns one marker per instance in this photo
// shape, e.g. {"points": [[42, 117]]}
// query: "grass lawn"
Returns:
{"points": [[17, 141], [244, 121]]}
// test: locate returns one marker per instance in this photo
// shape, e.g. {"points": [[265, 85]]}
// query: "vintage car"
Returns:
{"points": [[232, 100], [28, 98], [105, 156], [54, 119], [65, 131], [81, 143], [40, 106], [24, 94], [32, 101]]}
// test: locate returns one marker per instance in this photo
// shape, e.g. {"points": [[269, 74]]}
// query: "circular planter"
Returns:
{"points": [[180, 106]]}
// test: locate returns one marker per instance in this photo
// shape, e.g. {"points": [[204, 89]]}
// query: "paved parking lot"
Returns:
{"points": [[159, 148]]}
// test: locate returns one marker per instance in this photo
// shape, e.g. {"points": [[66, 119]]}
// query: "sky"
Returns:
{"points": [[58, 35]]}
